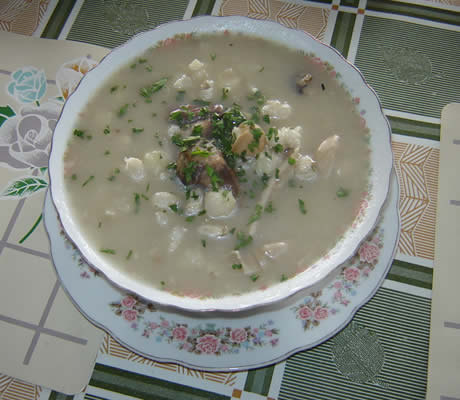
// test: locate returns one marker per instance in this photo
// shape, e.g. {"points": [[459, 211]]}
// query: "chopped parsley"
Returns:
{"points": [[122, 111], [257, 214], [148, 91], [261, 69], [174, 207], [190, 218], [283, 278], [107, 130], [277, 173], [257, 96], [202, 212], [171, 165], [74, 177], [225, 92], [215, 180], [269, 207], [278, 148], [88, 180], [342, 192], [107, 251], [243, 240], [138, 130], [266, 118], [237, 266], [197, 130], [79, 133], [232, 231], [212, 56], [201, 153], [203, 242], [113, 89], [142, 60], [254, 277], [137, 202], [265, 178], [272, 133], [291, 161], [130, 253], [189, 171], [302, 208]]}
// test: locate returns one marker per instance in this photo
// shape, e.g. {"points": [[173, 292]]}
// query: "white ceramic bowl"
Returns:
{"points": [[381, 159]]}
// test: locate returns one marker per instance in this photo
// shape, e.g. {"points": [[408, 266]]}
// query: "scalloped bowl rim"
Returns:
{"points": [[381, 160]]}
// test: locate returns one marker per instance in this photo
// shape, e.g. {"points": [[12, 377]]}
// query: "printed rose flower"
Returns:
{"points": [[351, 274], [321, 313], [27, 85], [208, 344], [179, 333], [70, 74], [368, 252], [130, 315], [338, 284], [239, 335], [268, 332], [305, 312], [25, 139], [153, 325], [128, 301], [164, 324]]}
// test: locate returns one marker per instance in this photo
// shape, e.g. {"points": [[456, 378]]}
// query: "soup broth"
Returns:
{"points": [[217, 164]]}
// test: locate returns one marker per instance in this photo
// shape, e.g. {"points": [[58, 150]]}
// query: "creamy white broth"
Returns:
{"points": [[115, 206]]}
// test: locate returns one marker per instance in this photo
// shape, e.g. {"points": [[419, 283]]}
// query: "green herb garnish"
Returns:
{"points": [[254, 277], [107, 251], [174, 207], [266, 118], [180, 95], [88, 180], [122, 110], [74, 177], [148, 91], [291, 161], [213, 56], [107, 130], [197, 130], [137, 202], [257, 214], [113, 89], [269, 207], [302, 208], [201, 153], [237, 266], [342, 192], [200, 102], [277, 173], [138, 130], [203, 242], [225, 92], [189, 171], [215, 180], [190, 218], [283, 278], [278, 148], [243, 240], [130, 253], [79, 133]]}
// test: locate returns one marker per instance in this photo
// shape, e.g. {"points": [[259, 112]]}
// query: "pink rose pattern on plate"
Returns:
{"points": [[314, 308], [131, 309], [211, 339]]}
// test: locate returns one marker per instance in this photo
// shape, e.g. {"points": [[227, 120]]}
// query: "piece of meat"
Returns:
{"points": [[191, 168], [302, 82], [192, 113]]}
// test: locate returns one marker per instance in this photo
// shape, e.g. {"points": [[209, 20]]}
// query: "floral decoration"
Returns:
{"points": [[131, 309], [313, 310], [27, 85], [210, 339], [70, 74]]}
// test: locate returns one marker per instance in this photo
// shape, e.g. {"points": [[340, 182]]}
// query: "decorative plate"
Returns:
{"points": [[366, 103], [222, 341]]}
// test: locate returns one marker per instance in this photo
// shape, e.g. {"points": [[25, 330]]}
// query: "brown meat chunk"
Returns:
{"points": [[191, 167]]}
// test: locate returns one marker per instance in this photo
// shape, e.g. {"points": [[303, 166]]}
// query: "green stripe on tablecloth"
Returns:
{"points": [[343, 30], [203, 7], [419, 129], [58, 18], [350, 3], [259, 380], [401, 322], [434, 53], [145, 387], [412, 274], [59, 396], [414, 10], [322, 1], [92, 26]]}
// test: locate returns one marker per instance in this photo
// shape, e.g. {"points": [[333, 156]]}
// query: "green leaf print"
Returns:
{"points": [[5, 113], [24, 187]]}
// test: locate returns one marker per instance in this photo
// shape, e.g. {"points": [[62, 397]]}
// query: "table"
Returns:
{"points": [[409, 52]]}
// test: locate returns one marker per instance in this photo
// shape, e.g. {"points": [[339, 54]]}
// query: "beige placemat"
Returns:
{"points": [[43, 338], [444, 357]]}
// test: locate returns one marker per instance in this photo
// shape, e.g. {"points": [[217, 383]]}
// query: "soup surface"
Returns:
{"points": [[216, 165]]}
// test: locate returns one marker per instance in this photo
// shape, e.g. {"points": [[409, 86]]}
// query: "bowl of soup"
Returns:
{"points": [[220, 163]]}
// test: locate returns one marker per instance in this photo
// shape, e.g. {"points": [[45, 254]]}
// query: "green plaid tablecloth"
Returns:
{"points": [[409, 52]]}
